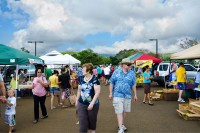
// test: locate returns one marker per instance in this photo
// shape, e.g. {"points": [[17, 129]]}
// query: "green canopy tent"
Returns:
{"points": [[11, 56], [135, 56]]}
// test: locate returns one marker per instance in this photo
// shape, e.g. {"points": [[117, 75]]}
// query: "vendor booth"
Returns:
{"points": [[11, 56], [140, 61], [190, 53]]}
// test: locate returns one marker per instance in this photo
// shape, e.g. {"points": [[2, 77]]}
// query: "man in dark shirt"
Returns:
{"points": [[65, 85]]}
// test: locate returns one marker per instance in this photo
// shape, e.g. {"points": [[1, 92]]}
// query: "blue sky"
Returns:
{"points": [[104, 26]]}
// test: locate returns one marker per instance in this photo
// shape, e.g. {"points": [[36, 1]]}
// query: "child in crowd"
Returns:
{"points": [[14, 84], [10, 110]]}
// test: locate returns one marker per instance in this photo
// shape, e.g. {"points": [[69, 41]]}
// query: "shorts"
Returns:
{"points": [[10, 120], [181, 85], [121, 105], [147, 88], [55, 91], [65, 93], [107, 77]]}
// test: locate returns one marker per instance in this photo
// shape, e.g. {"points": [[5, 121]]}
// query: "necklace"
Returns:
{"points": [[88, 79]]}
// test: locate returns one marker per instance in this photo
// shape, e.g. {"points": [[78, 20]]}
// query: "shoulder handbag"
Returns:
{"points": [[72, 97]]}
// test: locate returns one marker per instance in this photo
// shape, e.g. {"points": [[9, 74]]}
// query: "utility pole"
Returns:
{"points": [[35, 44], [156, 45]]}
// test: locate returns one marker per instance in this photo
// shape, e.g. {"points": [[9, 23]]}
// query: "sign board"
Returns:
{"points": [[35, 61], [12, 60], [143, 63]]}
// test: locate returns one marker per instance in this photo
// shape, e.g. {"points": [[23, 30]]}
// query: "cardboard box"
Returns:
{"points": [[170, 96]]}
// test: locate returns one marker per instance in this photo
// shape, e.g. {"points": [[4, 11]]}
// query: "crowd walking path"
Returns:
{"points": [[159, 118]]}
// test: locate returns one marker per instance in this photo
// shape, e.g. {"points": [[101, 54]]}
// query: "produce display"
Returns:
{"points": [[170, 90], [190, 81]]}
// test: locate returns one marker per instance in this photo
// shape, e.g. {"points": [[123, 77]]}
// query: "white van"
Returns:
{"points": [[161, 74]]}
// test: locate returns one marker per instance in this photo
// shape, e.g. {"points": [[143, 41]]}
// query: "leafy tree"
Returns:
{"points": [[25, 50], [186, 43], [165, 57], [88, 56], [69, 52]]}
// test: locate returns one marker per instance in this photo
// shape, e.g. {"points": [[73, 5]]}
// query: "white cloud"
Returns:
{"points": [[58, 21]]}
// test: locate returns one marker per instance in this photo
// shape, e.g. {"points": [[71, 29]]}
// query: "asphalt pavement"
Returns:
{"points": [[159, 118]]}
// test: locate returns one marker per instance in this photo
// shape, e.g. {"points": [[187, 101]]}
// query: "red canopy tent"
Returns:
{"points": [[148, 57]]}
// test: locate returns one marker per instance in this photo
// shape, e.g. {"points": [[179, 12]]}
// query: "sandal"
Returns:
{"points": [[64, 106], [145, 102], [53, 108]]}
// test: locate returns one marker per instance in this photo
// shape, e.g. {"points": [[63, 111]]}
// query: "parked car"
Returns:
{"points": [[161, 73]]}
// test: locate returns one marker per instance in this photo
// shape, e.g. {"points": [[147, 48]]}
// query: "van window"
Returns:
{"points": [[163, 67]]}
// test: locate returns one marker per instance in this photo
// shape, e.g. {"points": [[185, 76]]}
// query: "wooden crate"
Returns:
{"points": [[184, 106], [195, 106], [192, 100], [188, 115]]}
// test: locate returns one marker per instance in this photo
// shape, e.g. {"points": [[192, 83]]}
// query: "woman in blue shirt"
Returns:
{"points": [[147, 81], [87, 102]]}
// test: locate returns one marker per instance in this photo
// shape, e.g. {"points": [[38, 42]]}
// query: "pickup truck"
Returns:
{"points": [[161, 73]]}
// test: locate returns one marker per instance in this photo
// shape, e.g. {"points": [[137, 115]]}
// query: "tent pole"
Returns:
{"points": [[16, 80]]}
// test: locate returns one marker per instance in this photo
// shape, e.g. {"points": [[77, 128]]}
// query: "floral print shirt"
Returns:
{"points": [[122, 83], [87, 90]]}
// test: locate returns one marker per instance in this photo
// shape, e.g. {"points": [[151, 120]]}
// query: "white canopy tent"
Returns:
{"points": [[190, 53], [56, 58], [72, 60]]}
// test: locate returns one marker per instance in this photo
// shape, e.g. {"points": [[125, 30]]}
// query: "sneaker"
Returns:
{"points": [[181, 100], [44, 117], [35, 121], [120, 130], [124, 128]]}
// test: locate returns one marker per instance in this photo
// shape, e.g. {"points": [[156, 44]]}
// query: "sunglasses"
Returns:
{"points": [[39, 72], [128, 64]]}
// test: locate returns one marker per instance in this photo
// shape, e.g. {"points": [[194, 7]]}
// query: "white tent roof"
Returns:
{"points": [[54, 57], [72, 60], [190, 53]]}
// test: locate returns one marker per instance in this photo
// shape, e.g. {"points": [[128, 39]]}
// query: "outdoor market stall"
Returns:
{"points": [[190, 53], [11, 56], [141, 60], [189, 111]]}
